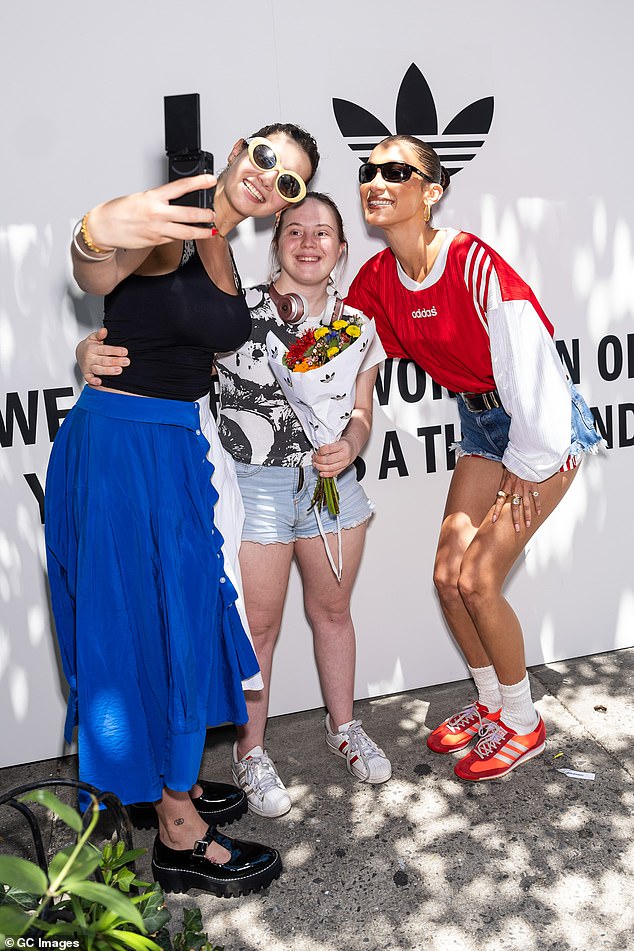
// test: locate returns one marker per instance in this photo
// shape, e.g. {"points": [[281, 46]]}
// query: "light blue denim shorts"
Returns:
{"points": [[277, 500], [486, 433]]}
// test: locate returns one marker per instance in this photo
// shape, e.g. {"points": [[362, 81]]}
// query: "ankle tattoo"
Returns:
{"points": [[178, 822]]}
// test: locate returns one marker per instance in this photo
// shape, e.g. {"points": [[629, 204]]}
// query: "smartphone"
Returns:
{"points": [[182, 146]]}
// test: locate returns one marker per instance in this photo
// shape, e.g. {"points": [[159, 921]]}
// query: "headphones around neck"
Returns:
{"points": [[293, 308]]}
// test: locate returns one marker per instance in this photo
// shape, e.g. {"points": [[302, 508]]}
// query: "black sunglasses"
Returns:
{"points": [[390, 172]]}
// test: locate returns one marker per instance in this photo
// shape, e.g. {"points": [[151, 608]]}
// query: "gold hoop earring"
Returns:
{"points": [[427, 213]]}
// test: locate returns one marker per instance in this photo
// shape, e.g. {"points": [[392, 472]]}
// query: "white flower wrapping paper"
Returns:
{"points": [[322, 398]]}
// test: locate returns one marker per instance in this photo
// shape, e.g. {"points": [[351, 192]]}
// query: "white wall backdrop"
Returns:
{"points": [[81, 100]]}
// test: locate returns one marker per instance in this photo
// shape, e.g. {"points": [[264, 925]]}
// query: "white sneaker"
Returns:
{"points": [[364, 758], [256, 774]]}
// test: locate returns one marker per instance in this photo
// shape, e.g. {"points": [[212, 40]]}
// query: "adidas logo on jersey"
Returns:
{"points": [[416, 115], [425, 312]]}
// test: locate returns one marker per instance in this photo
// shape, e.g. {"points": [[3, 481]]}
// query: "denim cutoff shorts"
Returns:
{"points": [[486, 433], [277, 509]]}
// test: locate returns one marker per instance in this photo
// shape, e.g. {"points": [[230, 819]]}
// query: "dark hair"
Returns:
{"points": [[274, 262], [427, 157], [303, 138]]}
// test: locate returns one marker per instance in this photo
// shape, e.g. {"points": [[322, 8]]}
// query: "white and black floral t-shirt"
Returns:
{"points": [[255, 421]]}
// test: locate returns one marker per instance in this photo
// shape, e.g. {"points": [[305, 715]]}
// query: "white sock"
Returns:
{"points": [[518, 711], [488, 687]]}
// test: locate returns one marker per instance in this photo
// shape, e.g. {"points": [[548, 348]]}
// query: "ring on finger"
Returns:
{"points": [[535, 494], [516, 500], [501, 494]]}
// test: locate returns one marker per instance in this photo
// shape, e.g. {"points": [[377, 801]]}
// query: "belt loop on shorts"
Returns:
{"points": [[478, 402], [300, 479]]}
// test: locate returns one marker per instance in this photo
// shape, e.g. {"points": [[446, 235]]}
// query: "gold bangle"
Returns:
{"points": [[84, 254], [88, 240]]}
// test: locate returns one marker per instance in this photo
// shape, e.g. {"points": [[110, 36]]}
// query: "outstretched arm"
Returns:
{"points": [[122, 232]]}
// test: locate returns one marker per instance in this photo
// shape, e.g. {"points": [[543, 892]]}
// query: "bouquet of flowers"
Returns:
{"points": [[318, 374]]}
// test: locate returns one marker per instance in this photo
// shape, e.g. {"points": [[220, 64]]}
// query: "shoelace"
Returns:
{"points": [[465, 718], [493, 737], [261, 773], [360, 742]]}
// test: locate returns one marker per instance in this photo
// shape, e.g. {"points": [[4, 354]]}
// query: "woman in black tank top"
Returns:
{"points": [[152, 644]]}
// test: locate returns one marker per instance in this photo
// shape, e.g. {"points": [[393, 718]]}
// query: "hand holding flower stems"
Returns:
{"points": [[330, 460], [326, 493]]}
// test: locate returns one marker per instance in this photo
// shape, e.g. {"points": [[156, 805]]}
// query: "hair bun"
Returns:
{"points": [[444, 177]]}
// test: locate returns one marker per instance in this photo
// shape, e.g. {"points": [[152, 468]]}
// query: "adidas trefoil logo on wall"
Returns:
{"points": [[416, 115]]}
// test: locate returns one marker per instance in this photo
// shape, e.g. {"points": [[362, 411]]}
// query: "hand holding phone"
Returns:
{"points": [[182, 144]]}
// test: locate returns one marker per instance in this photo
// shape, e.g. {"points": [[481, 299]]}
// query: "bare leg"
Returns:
{"points": [[180, 825], [265, 572], [473, 486], [473, 560], [327, 606], [484, 569]]}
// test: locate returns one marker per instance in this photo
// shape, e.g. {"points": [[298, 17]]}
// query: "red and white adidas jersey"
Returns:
{"points": [[442, 323], [474, 325]]}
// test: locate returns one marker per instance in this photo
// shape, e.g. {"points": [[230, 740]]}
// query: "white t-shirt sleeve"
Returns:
{"points": [[532, 385]]}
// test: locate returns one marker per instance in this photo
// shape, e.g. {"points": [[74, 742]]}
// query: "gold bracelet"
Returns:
{"points": [[84, 254], [88, 240]]}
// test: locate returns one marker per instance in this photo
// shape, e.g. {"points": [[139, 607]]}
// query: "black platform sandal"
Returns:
{"points": [[219, 804], [250, 868]]}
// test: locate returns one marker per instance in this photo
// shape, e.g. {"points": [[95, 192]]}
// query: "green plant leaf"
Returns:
{"points": [[123, 879], [15, 897], [111, 899], [193, 919], [163, 939], [13, 921], [85, 863], [157, 922], [140, 884], [78, 911], [66, 813], [130, 856], [27, 876], [67, 927], [105, 921], [105, 943], [153, 909], [192, 937], [136, 941]]}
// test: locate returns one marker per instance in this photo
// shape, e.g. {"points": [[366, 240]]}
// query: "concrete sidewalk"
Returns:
{"points": [[537, 861]]}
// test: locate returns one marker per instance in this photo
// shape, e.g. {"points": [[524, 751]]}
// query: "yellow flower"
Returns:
{"points": [[339, 324], [321, 332], [353, 331], [332, 352]]}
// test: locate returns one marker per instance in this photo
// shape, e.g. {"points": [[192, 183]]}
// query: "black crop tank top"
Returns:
{"points": [[172, 325]]}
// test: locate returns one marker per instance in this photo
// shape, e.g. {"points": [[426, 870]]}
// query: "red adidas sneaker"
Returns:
{"points": [[458, 731], [499, 751]]}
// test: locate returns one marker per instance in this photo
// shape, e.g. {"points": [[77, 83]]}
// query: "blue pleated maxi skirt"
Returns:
{"points": [[151, 641]]}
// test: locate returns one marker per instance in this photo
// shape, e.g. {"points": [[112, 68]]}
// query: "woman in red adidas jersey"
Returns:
{"points": [[446, 300]]}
